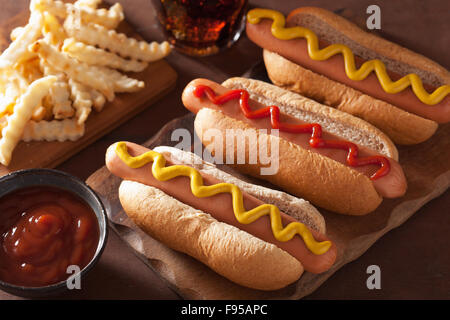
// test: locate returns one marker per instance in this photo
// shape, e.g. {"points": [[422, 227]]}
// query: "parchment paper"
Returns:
{"points": [[426, 166]]}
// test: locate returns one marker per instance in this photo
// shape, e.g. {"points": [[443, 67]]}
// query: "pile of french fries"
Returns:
{"points": [[65, 62]]}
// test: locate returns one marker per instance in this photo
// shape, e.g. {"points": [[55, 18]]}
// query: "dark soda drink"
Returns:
{"points": [[201, 27]]}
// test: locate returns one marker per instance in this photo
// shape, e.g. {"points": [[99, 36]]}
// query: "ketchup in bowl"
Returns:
{"points": [[43, 230]]}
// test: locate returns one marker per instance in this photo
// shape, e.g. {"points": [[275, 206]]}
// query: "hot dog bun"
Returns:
{"points": [[232, 253], [401, 126], [336, 29], [332, 120], [401, 115], [228, 250], [320, 179]]}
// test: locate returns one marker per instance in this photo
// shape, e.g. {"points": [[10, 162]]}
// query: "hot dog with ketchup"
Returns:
{"points": [[220, 220], [323, 56], [331, 158]]}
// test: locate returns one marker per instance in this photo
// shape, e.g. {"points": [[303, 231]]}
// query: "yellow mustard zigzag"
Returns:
{"points": [[163, 173], [279, 31]]}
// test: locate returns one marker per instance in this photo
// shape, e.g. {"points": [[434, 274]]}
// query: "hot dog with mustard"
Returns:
{"points": [[332, 159], [324, 56], [232, 226]]}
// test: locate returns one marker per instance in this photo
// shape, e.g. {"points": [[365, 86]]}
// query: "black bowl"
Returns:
{"points": [[58, 179]]}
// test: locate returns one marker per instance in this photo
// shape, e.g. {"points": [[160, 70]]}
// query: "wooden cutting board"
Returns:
{"points": [[426, 167], [159, 78]]}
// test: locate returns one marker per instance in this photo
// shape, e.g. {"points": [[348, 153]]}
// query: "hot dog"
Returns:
{"points": [[408, 116], [174, 210], [319, 171]]}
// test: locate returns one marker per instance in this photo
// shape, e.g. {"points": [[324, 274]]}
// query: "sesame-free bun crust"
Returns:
{"points": [[229, 251], [323, 181], [401, 126]]}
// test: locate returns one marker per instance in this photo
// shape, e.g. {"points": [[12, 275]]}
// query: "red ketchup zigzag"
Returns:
{"points": [[314, 129]]}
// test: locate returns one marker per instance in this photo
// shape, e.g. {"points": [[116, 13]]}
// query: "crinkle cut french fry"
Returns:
{"points": [[47, 104], [121, 82], [39, 113], [55, 130], [108, 18], [12, 133], [98, 100], [4, 79], [15, 33], [16, 86], [90, 76], [87, 3], [6, 106], [53, 29], [97, 56], [103, 79], [97, 35], [126, 84], [18, 49], [30, 69], [82, 100], [59, 96], [3, 123], [9, 98], [21, 81], [59, 93]]}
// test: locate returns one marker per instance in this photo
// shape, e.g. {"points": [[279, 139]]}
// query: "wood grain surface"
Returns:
{"points": [[159, 78]]}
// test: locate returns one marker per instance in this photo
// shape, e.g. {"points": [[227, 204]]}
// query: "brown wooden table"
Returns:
{"points": [[414, 258]]}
